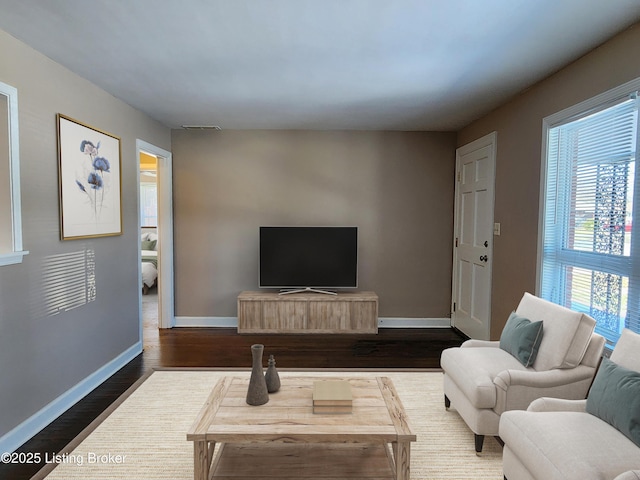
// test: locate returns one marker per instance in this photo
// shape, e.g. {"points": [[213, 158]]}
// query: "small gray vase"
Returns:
{"points": [[272, 378], [257, 393]]}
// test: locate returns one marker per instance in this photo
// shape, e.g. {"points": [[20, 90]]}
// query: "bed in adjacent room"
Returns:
{"points": [[149, 261]]}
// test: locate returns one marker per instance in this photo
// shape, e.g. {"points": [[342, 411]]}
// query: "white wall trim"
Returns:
{"points": [[383, 322], [166, 304], [394, 322], [12, 258], [31, 426], [228, 322], [16, 254]]}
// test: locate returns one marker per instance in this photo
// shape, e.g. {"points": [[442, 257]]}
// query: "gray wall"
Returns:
{"points": [[518, 160], [42, 355], [397, 187]]}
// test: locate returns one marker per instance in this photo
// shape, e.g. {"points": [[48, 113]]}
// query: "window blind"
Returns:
{"points": [[590, 258]]}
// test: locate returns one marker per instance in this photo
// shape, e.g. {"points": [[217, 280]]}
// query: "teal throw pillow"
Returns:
{"points": [[615, 398], [149, 244], [521, 338]]}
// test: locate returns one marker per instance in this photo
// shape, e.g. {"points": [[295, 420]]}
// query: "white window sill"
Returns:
{"points": [[12, 258]]}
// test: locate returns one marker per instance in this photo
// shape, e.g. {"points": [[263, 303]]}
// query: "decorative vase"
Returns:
{"points": [[272, 378], [257, 393]]}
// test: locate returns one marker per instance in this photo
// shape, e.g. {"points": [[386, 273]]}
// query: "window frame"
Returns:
{"points": [[17, 253], [575, 112]]}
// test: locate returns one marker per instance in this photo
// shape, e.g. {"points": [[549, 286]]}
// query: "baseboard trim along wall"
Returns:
{"points": [[228, 322], [393, 322], [31, 426], [383, 322]]}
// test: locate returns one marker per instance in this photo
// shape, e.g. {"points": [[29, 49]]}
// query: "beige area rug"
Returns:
{"points": [[145, 436]]}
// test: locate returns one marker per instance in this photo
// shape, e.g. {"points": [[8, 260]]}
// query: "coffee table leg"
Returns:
{"points": [[402, 451], [201, 460]]}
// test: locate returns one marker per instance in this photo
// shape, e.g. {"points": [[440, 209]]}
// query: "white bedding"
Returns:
{"points": [[149, 270]]}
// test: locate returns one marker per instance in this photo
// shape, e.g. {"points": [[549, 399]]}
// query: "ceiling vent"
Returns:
{"points": [[201, 127]]}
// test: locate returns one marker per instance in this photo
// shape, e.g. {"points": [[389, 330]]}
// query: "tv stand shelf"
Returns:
{"points": [[268, 312]]}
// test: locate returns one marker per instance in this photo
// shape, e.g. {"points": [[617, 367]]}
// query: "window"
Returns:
{"points": [[590, 258], [148, 190], [10, 213], [148, 204]]}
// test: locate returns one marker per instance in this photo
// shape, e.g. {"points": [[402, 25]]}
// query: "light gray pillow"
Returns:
{"points": [[521, 338]]}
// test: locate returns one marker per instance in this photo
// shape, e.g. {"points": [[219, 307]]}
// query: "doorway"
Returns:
{"points": [[148, 199], [473, 237], [164, 232]]}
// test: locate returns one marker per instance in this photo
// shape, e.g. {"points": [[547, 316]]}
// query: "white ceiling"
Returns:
{"points": [[316, 64]]}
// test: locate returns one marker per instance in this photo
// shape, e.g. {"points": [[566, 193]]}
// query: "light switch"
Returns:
{"points": [[496, 229]]}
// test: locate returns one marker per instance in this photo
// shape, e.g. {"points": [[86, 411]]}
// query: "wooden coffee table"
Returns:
{"points": [[285, 439]]}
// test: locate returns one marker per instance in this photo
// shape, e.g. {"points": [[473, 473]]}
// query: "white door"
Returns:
{"points": [[475, 178]]}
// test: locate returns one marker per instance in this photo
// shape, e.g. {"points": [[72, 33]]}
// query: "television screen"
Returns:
{"points": [[303, 257]]}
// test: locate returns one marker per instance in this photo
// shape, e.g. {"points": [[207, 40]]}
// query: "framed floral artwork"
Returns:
{"points": [[89, 175]]}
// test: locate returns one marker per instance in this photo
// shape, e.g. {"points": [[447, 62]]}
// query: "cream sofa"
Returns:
{"points": [[482, 380], [559, 440]]}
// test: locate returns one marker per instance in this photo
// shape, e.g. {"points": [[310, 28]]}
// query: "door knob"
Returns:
{"points": [[484, 258], [486, 244]]}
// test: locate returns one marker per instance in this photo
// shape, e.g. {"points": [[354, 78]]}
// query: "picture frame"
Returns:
{"points": [[89, 179]]}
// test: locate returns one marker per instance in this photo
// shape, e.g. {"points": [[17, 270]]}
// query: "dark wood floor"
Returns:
{"points": [[219, 347]]}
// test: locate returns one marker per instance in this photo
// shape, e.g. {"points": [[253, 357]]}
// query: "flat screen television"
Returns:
{"points": [[308, 257]]}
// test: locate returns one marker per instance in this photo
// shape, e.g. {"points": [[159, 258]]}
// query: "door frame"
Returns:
{"points": [[166, 302], [488, 140]]}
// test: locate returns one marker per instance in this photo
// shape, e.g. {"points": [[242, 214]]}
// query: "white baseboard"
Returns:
{"points": [[383, 322], [393, 322], [31, 426], [228, 322]]}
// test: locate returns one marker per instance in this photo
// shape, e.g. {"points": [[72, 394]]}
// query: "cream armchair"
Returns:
{"points": [[596, 438], [483, 380]]}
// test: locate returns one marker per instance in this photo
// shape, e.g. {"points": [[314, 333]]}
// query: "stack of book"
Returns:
{"points": [[332, 396]]}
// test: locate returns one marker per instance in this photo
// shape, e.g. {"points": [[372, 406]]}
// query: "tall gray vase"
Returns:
{"points": [[257, 393]]}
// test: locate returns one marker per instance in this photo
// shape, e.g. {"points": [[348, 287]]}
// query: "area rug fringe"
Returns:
{"points": [[145, 436]]}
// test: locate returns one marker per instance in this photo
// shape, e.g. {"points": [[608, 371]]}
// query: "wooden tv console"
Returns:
{"points": [[266, 312]]}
